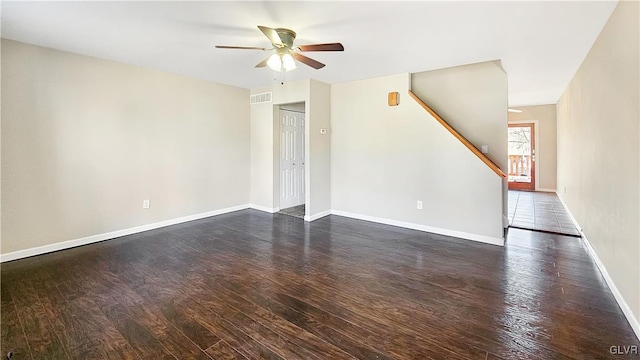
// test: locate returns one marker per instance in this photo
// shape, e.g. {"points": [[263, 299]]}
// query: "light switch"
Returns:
{"points": [[485, 149]]}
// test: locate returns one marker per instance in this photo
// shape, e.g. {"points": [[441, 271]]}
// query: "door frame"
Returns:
{"points": [[304, 142], [276, 155], [536, 141]]}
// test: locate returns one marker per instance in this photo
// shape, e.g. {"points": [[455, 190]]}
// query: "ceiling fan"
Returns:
{"points": [[285, 51]]}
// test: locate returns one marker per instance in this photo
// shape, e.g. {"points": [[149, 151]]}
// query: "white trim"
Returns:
{"points": [[15, 255], [573, 219], [317, 216], [264, 208], [628, 313], [505, 221], [435, 230], [546, 190]]}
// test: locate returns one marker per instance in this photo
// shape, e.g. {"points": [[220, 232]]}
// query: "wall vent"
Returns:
{"points": [[260, 98]]}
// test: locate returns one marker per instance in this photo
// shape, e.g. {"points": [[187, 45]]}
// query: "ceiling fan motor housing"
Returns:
{"points": [[286, 36]]}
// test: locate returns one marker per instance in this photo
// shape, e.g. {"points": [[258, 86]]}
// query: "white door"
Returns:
{"points": [[291, 159]]}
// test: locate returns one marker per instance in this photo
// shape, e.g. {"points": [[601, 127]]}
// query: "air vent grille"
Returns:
{"points": [[260, 98]]}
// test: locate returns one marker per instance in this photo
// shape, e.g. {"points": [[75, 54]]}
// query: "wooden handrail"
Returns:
{"points": [[462, 139]]}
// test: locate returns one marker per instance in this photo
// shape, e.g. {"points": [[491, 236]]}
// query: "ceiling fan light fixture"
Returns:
{"points": [[275, 62], [287, 62]]}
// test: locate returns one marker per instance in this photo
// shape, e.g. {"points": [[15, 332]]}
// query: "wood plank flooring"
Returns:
{"points": [[251, 285]]}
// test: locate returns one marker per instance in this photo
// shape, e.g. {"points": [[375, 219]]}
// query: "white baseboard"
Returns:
{"points": [[435, 230], [573, 219], [15, 255], [546, 190], [628, 313], [317, 216], [264, 208]]}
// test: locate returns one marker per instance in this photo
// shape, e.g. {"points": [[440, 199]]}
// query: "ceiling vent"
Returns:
{"points": [[260, 98]]}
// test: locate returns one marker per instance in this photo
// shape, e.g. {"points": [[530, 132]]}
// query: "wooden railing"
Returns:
{"points": [[458, 136], [519, 165]]}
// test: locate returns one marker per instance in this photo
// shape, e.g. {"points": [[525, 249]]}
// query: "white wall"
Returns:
{"points": [[319, 154], [264, 146], [85, 140], [473, 99], [384, 159], [599, 151]]}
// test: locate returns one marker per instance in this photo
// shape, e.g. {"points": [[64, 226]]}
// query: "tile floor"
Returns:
{"points": [[541, 211], [297, 211]]}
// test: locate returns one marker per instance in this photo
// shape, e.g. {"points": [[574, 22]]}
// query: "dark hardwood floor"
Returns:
{"points": [[251, 285]]}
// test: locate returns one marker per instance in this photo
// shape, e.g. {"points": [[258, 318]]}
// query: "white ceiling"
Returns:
{"points": [[541, 44]]}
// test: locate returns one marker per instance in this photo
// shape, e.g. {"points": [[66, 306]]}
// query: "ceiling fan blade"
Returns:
{"points": [[272, 35], [263, 63], [322, 47], [240, 47], [308, 61]]}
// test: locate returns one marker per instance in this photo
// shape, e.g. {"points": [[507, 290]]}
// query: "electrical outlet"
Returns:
{"points": [[145, 204], [323, 131], [419, 205]]}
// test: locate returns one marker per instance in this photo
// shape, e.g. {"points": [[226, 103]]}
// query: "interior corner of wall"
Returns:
{"points": [[318, 82], [498, 63], [409, 75]]}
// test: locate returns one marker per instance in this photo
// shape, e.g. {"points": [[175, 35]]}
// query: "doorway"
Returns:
{"points": [[522, 157], [292, 160]]}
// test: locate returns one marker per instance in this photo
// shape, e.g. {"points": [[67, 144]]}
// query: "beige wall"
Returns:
{"points": [[384, 159], [85, 141], [264, 147], [265, 139], [473, 99], [546, 153], [319, 154], [599, 152]]}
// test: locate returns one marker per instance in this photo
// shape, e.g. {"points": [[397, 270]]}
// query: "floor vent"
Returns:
{"points": [[260, 98]]}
